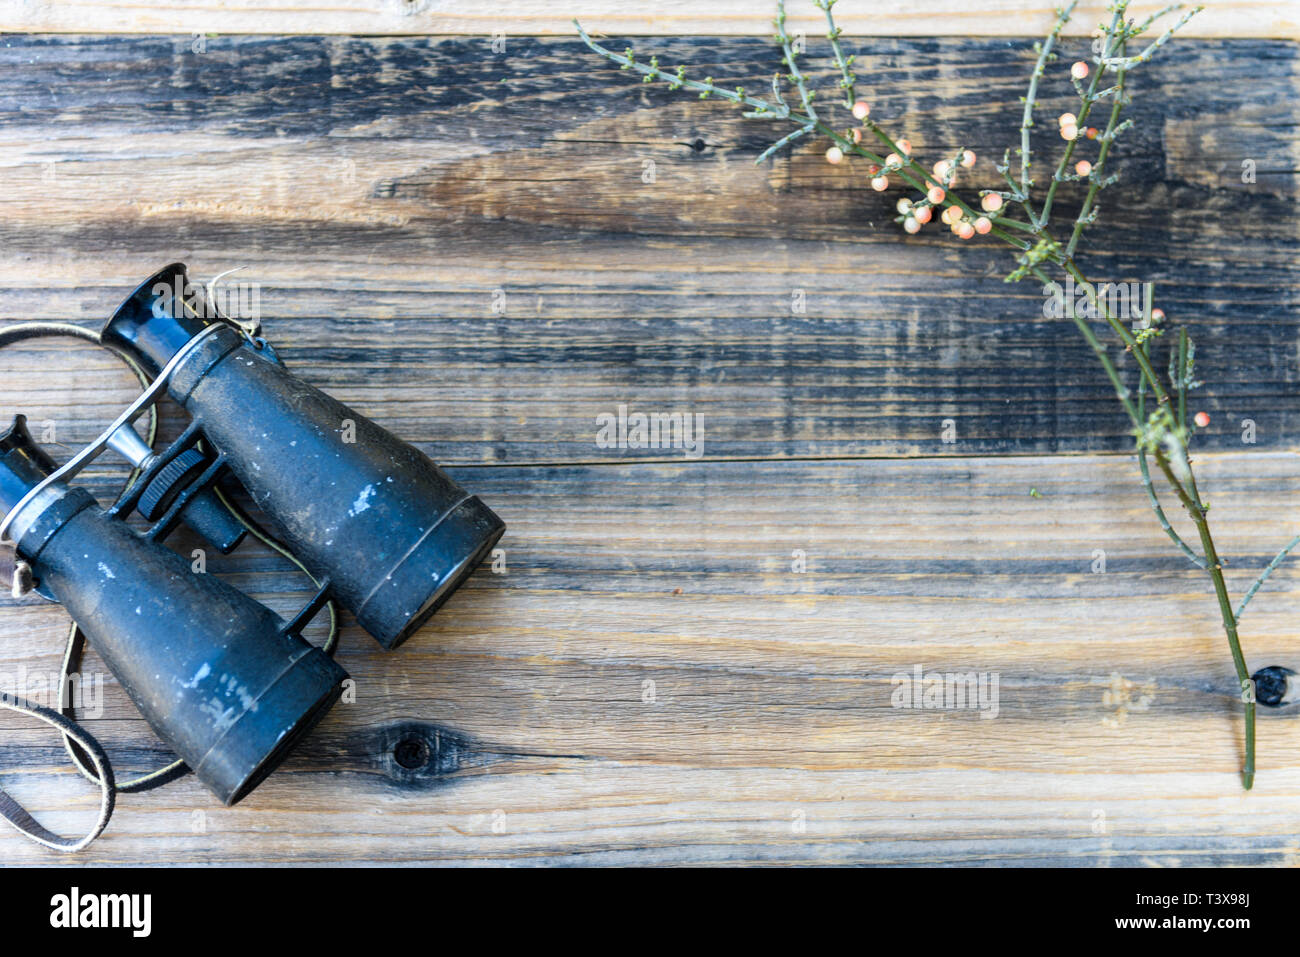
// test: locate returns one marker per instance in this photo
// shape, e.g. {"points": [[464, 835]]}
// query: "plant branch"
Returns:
{"points": [[1027, 117], [1263, 576], [847, 77]]}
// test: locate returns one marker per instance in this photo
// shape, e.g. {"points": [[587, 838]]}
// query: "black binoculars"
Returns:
{"points": [[226, 682]]}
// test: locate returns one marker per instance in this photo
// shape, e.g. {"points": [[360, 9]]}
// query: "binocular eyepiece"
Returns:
{"points": [[226, 682]]}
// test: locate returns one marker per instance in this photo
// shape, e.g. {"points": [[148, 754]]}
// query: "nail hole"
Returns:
{"points": [[411, 752], [699, 146]]}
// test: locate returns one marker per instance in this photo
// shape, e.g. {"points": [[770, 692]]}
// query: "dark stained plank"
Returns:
{"points": [[381, 191]]}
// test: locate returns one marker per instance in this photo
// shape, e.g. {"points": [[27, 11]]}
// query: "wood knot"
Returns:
{"points": [[415, 753]]}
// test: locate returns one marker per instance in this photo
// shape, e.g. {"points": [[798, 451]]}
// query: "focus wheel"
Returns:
{"points": [[170, 481]]}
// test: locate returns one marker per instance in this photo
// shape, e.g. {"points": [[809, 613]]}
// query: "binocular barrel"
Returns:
{"points": [[214, 672], [392, 534]]}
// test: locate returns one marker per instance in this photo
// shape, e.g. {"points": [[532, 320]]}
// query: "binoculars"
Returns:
{"points": [[223, 680]]}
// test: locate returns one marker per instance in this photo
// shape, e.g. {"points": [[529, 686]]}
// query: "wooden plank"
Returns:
{"points": [[381, 192], [1226, 18], [650, 682]]}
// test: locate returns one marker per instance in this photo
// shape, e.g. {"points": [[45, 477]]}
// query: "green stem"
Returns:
{"points": [[1095, 178], [1085, 107], [1182, 377], [1151, 492], [1263, 576], [1130, 343], [833, 34], [1196, 509], [1027, 118]]}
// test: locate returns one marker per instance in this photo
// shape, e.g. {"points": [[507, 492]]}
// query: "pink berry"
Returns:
{"points": [[935, 194], [991, 203], [861, 110], [880, 184], [922, 214], [941, 169], [968, 158], [951, 215], [1069, 132], [834, 155], [1067, 119], [1157, 315], [1091, 132], [1079, 71], [904, 147], [982, 225], [1202, 419], [904, 206], [893, 159], [911, 225], [1083, 168], [965, 230]]}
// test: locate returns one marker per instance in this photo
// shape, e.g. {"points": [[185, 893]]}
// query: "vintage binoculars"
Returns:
{"points": [[224, 680]]}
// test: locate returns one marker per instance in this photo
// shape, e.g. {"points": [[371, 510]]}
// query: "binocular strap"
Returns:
{"points": [[17, 815], [73, 734], [87, 755]]}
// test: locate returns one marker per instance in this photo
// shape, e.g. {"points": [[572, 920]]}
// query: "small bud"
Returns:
{"points": [[861, 110], [922, 214], [965, 230], [1079, 71], [935, 194], [1202, 419], [1067, 119], [911, 225], [982, 225], [1069, 132], [1083, 168], [991, 203], [834, 155], [968, 158], [904, 205], [905, 147], [880, 184], [1091, 132]]}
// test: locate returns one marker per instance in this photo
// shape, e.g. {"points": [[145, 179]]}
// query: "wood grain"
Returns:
{"points": [[771, 691], [1224, 18], [381, 191]]}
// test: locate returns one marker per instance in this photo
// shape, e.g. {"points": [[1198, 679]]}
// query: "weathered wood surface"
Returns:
{"points": [[771, 690], [380, 191], [1235, 18]]}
